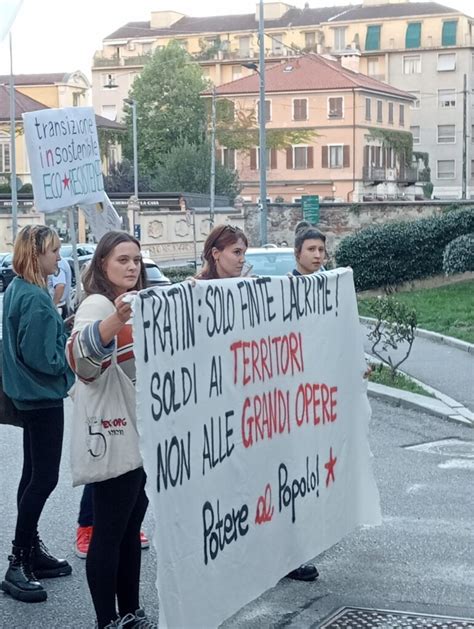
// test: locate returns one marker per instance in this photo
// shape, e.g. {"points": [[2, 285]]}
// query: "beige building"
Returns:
{"points": [[355, 127], [421, 47]]}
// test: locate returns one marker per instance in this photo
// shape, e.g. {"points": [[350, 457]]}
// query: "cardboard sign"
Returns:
{"points": [[63, 151], [254, 417], [102, 217]]}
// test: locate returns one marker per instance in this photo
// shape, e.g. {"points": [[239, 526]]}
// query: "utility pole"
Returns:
{"points": [[262, 131], [213, 158], [13, 149], [464, 140]]}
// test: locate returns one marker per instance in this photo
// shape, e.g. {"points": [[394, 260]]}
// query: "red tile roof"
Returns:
{"points": [[23, 104], [36, 79], [308, 73]]}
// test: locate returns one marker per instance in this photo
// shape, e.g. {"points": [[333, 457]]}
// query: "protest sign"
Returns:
{"points": [[63, 151], [253, 417], [102, 217]]}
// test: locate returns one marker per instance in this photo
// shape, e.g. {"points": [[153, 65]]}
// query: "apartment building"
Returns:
{"points": [[402, 43], [352, 123]]}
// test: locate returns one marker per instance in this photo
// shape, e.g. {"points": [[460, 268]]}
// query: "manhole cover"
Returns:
{"points": [[446, 447], [355, 617]]}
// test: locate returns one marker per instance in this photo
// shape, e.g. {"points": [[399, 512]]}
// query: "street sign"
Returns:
{"points": [[137, 231], [310, 203]]}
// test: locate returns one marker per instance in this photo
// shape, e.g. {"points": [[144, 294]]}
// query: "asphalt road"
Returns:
{"points": [[420, 559]]}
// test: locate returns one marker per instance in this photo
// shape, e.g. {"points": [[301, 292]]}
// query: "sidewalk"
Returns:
{"points": [[446, 368]]}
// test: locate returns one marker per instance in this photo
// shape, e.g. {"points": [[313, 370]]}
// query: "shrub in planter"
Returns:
{"points": [[179, 273], [458, 256], [387, 255]]}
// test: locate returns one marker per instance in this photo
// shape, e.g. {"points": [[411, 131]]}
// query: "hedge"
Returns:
{"points": [[179, 273], [387, 255], [458, 256]]}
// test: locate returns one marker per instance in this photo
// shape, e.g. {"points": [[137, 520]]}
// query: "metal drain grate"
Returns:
{"points": [[360, 618]]}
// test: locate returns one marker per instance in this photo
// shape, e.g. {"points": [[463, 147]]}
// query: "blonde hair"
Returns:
{"points": [[32, 241]]}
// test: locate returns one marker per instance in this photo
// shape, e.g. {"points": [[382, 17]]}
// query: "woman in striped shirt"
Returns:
{"points": [[102, 325]]}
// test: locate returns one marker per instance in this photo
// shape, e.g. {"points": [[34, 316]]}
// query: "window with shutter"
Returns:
{"points": [[372, 39], [413, 35], [368, 108], [390, 113], [253, 159], [273, 159], [336, 156], [289, 157], [401, 115], [346, 156], [335, 107], [310, 158], [300, 158], [448, 36], [300, 109], [324, 157], [379, 111]]}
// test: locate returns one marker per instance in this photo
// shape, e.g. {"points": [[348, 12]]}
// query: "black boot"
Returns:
{"points": [[44, 565], [19, 580]]}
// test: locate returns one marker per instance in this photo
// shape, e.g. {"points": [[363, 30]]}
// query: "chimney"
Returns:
{"points": [[272, 10], [350, 59], [164, 19]]}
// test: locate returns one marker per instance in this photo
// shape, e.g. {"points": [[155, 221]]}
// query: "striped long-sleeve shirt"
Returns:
{"points": [[86, 354]]}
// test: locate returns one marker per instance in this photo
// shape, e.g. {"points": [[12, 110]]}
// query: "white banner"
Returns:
{"points": [[63, 151], [254, 418], [102, 217], [8, 12]]}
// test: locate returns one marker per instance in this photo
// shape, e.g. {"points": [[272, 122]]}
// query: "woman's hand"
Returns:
{"points": [[123, 304]]}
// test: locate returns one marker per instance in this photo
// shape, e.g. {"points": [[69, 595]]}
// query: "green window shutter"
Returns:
{"points": [[372, 39], [448, 37], [413, 36]]}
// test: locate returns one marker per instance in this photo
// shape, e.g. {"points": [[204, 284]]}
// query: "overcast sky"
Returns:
{"points": [[62, 36]]}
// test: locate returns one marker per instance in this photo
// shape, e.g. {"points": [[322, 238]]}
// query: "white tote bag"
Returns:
{"points": [[104, 439]]}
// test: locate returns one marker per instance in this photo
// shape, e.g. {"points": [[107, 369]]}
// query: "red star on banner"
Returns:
{"points": [[66, 181], [330, 468]]}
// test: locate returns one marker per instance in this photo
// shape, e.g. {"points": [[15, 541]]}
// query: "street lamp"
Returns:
{"points": [[133, 104]]}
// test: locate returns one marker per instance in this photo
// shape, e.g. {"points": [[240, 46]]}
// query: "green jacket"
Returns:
{"points": [[35, 371]]}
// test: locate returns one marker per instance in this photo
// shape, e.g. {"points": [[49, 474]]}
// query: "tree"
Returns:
{"points": [[187, 167], [120, 179], [169, 106]]}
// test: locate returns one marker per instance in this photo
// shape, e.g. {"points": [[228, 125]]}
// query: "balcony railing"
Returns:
{"points": [[101, 61], [403, 175], [137, 60], [407, 175]]}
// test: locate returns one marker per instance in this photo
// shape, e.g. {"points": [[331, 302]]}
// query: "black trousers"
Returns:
{"points": [[42, 445], [86, 509], [114, 557]]}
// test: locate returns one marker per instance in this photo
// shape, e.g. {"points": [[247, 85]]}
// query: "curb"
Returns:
{"points": [[434, 406], [435, 337]]}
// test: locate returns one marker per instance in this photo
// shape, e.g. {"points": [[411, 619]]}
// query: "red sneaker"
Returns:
{"points": [[83, 539], [144, 541]]}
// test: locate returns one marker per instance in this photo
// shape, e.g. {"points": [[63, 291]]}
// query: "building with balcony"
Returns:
{"points": [[401, 43], [355, 140]]}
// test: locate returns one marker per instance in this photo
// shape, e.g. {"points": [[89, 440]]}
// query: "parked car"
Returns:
{"points": [[6, 271], [154, 275], [269, 260], [85, 251]]}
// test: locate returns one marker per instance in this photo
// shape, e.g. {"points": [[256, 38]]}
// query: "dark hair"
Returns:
{"points": [[307, 233], [301, 225], [94, 279], [220, 237]]}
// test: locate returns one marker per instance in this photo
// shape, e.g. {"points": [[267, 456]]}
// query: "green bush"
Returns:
{"points": [[26, 188], [387, 255], [458, 256], [179, 273]]}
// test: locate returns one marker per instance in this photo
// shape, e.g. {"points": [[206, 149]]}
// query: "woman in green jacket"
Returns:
{"points": [[36, 377]]}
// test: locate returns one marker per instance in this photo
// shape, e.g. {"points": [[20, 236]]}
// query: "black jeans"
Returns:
{"points": [[42, 444], [114, 557], [86, 509]]}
